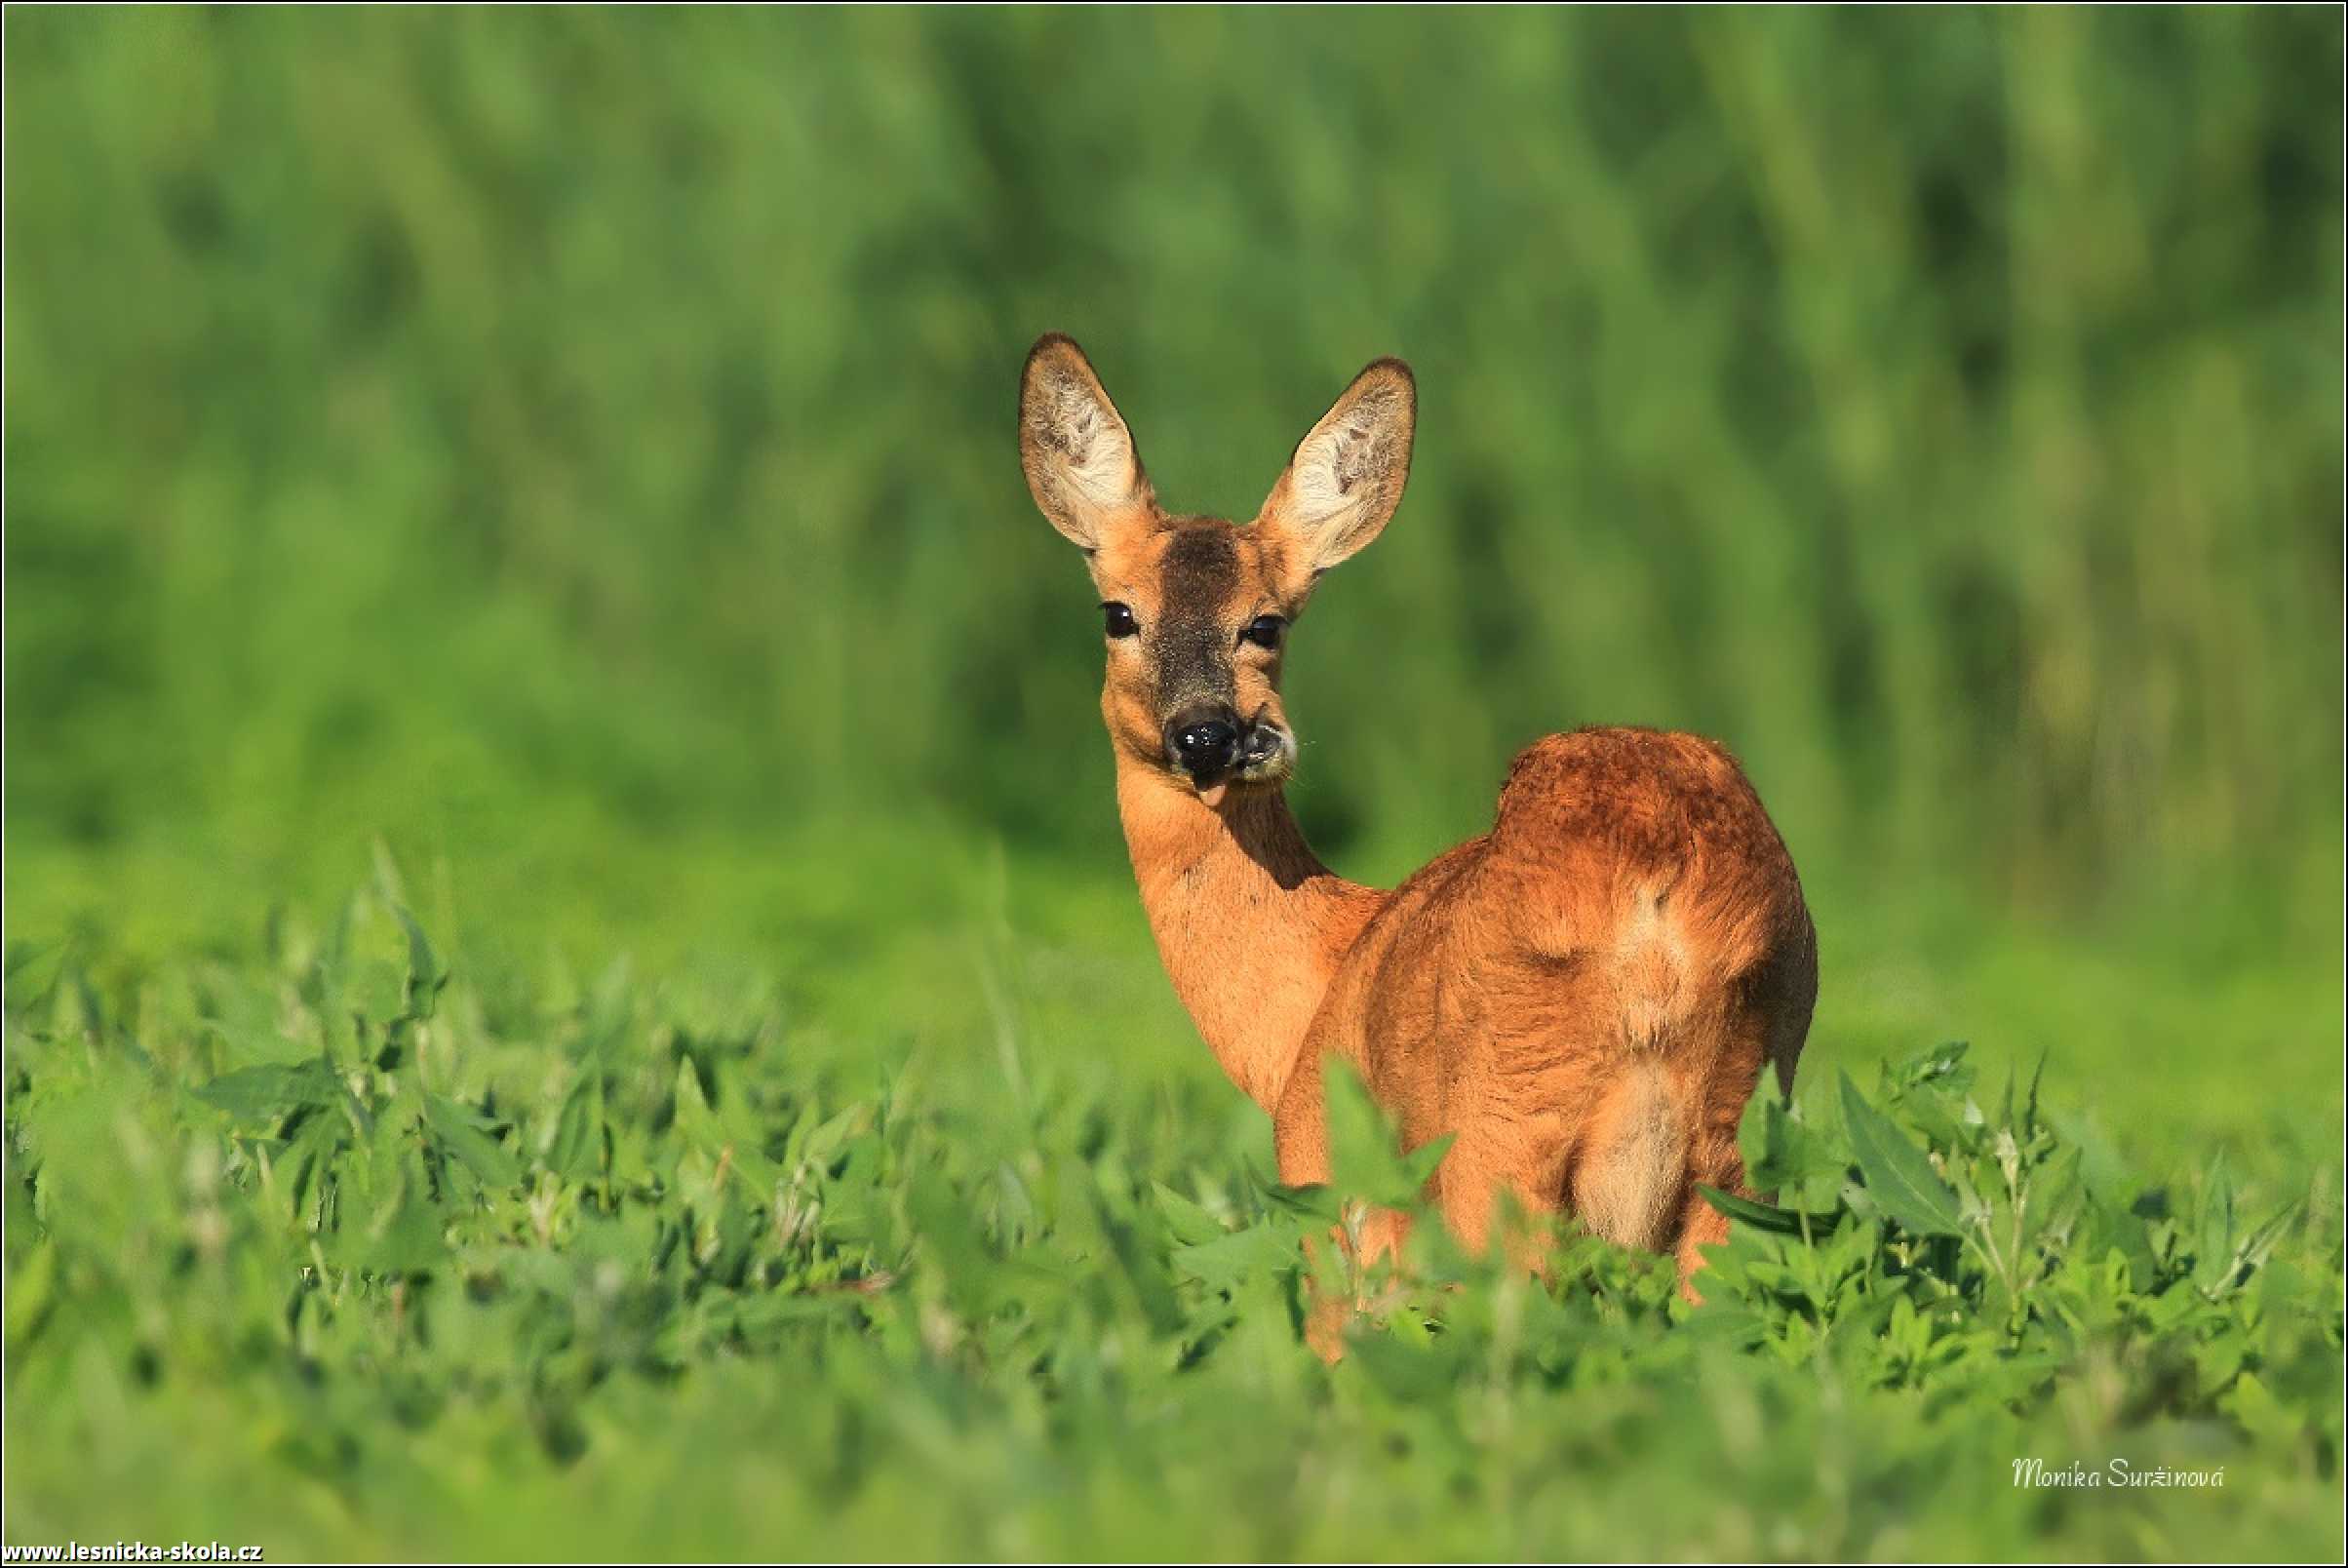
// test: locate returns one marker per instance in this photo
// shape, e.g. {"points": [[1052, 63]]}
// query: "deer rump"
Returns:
{"points": [[1587, 995]]}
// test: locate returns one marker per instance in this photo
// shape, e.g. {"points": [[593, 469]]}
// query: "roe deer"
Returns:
{"points": [[1584, 996]]}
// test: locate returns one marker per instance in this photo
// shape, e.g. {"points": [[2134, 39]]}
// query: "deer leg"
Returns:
{"points": [[1701, 1225], [1368, 1234], [1718, 1166], [1299, 1126], [1479, 1167]]}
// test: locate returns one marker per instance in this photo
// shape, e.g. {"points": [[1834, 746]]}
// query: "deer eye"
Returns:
{"points": [[1119, 619], [1264, 631]]}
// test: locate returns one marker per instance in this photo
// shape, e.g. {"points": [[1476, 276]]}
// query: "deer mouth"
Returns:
{"points": [[1261, 755], [1267, 757]]}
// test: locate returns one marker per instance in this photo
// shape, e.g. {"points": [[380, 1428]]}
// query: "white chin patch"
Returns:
{"points": [[1278, 762]]}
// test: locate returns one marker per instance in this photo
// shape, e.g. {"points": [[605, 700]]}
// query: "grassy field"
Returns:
{"points": [[354, 1243], [571, 983]]}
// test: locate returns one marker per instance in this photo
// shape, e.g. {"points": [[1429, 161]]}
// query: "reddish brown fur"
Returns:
{"points": [[1586, 995]]}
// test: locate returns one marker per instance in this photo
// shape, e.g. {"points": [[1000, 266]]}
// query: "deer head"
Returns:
{"points": [[1196, 611]]}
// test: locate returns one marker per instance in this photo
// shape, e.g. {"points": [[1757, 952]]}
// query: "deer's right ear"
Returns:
{"points": [[1081, 462]]}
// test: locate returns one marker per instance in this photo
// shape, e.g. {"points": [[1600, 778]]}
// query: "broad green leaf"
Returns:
{"points": [[1223, 1262], [1365, 1155], [1783, 1153], [2248, 1254], [576, 1152], [2257, 1410], [464, 1133], [264, 1093], [405, 1235], [1718, 1322], [1767, 1216], [31, 1293], [694, 1118], [1186, 1221], [1943, 1065], [425, 977], [2213, 1256], [1897, 1174]]}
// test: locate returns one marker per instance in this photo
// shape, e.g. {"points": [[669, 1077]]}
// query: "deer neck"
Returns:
{"points": [[1249, 922]]}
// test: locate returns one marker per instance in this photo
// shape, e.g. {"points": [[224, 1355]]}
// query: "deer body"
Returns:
{"points": [[1585, 997]]}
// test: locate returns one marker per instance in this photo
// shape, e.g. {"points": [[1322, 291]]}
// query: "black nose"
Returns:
{"points": [[1204, 741]]}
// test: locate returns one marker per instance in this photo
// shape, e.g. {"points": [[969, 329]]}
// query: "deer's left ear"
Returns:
{"points": [[1346, 476]]}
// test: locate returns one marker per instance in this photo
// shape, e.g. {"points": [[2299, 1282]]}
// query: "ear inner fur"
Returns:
{"points": [[1346, 476], [1082, 466]]}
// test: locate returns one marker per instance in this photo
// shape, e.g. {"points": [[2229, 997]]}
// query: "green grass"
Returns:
{"points": [[343, 1243], [554, 472]]}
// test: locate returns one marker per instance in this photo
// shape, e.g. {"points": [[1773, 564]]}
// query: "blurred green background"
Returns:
{"points": [[575, 448]]}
